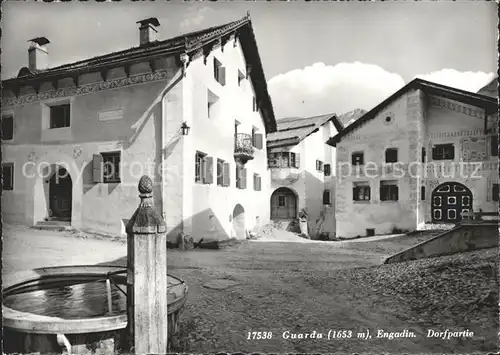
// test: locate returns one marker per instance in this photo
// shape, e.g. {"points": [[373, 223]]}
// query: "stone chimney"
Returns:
{"points": [[147, 30], [38, 55]]}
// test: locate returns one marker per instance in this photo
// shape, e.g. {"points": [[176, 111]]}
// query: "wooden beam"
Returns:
{"points": [[16, 89], [236, 35], [126, 69], [104, 74], [36, 87], [223, 42], [152, 65], [206, 51]]}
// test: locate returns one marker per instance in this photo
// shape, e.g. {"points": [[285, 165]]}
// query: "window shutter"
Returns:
{"points": [[222, 75], [434, 153], [452, 152], [297, 160], [209, 174], [243, 178], [97, 168], [355, 193], [259, 180], [225, 174], [258, 140], [397, 192]]}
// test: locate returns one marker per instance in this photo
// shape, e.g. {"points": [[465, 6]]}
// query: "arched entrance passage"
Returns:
{"points": [[283, 204], [449, 201], [239, 221], [60, 195]]}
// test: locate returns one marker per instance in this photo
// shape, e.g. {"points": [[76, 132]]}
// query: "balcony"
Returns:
{"points": [[284, 167], [243, 148]]}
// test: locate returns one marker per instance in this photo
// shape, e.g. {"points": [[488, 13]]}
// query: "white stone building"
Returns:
{"points": [[303, 171], [191, 112], [426, 154]]}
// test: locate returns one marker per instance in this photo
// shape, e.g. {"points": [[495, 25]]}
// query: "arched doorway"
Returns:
{"points": [[239, 221], [60, 195], [449, 201], [283, 204]]}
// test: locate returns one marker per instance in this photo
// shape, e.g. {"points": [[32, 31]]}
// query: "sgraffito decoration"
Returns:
{"points": [[77, 152], [473, 149], [87, 88]]}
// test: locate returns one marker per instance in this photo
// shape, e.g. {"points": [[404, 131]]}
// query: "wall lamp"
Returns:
{"points": [[185, 128]]}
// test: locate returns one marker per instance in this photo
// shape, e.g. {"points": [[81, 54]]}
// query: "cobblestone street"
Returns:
{"points": [[301, 288]]}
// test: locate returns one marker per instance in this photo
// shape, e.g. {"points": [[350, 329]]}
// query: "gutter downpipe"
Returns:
{"points": [[173, 82]]}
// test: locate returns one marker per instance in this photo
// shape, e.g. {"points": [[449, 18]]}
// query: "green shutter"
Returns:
{"points": [[97, 167]]}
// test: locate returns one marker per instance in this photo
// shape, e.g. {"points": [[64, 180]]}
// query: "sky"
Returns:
{"points": [[318, 57]]}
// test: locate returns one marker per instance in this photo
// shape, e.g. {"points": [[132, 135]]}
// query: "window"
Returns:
{"points": [[220, 171], [199, 166], [111, 167], [212, 104], [389, 191], [328, 169], [257, 182], [7, 127], [219, 72], [241, 77], [357, 158], [327, 197], [423, 155], [495, 192], [60, 116], [443, 152], [281, 201], [494, 146], [8, 176], [361, 191], [255, 106], [319, 165], [203, 168], [241, 177], [422, 193], [391, 155], [283, 160]]}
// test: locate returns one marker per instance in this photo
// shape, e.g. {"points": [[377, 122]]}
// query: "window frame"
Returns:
{"points": [[117, 166], [387, 155], [10, 116], [360, 154], [441, 156], [68, 118], [361, 188], [199, 167], [392, 195], [10, 166]]}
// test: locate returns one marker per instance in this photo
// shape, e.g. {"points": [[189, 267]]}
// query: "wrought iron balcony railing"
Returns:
{"points": [[243, 147]]}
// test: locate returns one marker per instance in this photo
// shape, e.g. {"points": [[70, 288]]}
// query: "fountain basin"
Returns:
{"points": [[74, 309]]}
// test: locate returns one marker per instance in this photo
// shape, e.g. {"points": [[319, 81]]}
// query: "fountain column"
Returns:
{"points": [[147, 276]]}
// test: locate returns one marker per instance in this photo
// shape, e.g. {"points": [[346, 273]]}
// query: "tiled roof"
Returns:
{"points": [[189, 43], [488, 103], [292, 130]]}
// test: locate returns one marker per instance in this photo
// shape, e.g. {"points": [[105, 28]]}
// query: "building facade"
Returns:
{"points": [[191, 112], [427, 154], [302, 170]]}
